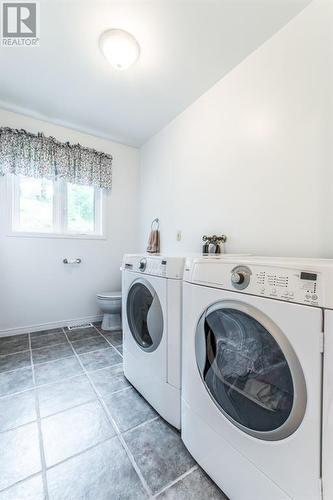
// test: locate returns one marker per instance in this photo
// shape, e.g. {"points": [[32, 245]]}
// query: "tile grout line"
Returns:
{"points": [[175, 481], [119, 390], [105, 338], [18, 426], [10, 394], [147, 422], [30, 344], [16, 369], [13, 353], [115, 427], [79, 453], [110, 418], [39, 385], [63, 357], [50, 383], [36, 474], [52, 345], [39, 427], [20, 481], [68, 409], [48, 416]]}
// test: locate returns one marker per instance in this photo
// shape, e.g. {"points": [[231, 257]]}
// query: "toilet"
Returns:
{"points": [[110, 304]]}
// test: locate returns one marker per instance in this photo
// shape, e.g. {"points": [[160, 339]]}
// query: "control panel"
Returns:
{"points": [[283, 284], [272, 280], [145, 265], [294, 286], [155, 267], [166, 267]]}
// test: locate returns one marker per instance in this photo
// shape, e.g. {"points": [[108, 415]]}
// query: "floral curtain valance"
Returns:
{"points": [[38, 156]]}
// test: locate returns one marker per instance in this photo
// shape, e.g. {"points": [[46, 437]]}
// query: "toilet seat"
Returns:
{"points": [[109, 295]]}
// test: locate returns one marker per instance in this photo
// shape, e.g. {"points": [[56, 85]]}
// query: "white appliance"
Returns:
{"points": [[327, 441], [110, 305], [152, 297], [252, 362]]}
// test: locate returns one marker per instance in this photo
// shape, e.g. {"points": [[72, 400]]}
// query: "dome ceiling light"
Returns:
{"points": [[119, 47]]}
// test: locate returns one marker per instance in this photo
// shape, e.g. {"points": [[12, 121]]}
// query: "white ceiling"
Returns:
{"points": [[186, 46]]}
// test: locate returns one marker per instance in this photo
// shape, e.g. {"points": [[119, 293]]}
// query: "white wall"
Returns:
{"points": [[250, 158], [36, 288]]}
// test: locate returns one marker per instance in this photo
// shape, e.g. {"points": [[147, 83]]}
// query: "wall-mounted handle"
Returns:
{"points": [[72, 261]]}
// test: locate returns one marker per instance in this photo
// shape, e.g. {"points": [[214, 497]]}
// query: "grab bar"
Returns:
{"points": [[72, 261]]}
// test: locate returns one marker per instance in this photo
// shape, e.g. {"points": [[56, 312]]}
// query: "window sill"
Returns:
{"points": [[73, 236]]}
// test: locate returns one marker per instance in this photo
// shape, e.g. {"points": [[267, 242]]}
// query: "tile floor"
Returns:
{"points": [[72, 427]]}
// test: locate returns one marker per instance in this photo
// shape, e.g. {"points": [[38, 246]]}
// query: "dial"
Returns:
{"points": [[240, 277], [143, 264], [237, 278]]}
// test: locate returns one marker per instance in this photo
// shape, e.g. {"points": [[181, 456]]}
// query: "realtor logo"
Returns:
{"points": [[20, 24]]}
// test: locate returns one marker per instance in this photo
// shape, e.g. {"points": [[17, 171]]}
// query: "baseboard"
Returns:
{"points": [[49, 326]]}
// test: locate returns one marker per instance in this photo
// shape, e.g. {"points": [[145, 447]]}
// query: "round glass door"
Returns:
{"points": [[144, 315], [250, 370]]}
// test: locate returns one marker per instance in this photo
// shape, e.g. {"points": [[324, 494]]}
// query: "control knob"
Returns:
{"points": [[237, 278], [142, 264], [240, 277]]}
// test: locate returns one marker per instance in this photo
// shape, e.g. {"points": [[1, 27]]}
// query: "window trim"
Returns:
{"points": [[59, 214]]}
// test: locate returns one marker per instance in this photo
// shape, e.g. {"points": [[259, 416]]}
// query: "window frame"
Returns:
{"points": [[60, 229]]}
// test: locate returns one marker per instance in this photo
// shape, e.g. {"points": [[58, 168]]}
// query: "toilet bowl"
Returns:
{"points": [[110, 304]]}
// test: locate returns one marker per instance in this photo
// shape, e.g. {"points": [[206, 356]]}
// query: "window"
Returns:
{"points": [[59, 207]]}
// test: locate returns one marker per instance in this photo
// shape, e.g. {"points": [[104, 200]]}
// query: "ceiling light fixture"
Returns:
{"points": [[119, 47]]}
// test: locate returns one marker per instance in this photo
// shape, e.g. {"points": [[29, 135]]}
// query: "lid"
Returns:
{"points": [[109, 295]]}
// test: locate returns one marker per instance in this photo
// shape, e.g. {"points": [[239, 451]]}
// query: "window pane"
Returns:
{"points": [[80, 208], [35, 204]]}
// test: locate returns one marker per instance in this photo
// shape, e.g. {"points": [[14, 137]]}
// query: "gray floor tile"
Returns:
{"points": [[15, 361], [48, 340], [52, 353], [19, 454], [159, 452], [120, 349], [63, 395], [73, 431], [15, 381], [104, 472], [30, 489], [55, 371], [17, 410], [109, 380], [82, 333], [41, 333], [92, 344], [115, 338], [195, 486], [128, 408], [14, 343], [100, 359]]}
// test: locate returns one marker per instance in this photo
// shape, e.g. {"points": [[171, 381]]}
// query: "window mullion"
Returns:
{"points": [[15, 202], [64, 208], [98, 212], [58, 206]]}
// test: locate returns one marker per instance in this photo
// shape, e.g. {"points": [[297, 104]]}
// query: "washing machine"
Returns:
{"points": [[252, 369], [327, 439], [152, 305]]}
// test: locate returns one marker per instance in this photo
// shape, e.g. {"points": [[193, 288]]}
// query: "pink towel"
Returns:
{"points": [[154, 242]]}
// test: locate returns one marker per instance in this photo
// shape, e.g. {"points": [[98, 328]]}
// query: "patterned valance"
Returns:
{"points": [[38, 156]]}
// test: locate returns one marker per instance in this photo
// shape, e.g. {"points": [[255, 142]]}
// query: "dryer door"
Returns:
{"points": [[250, 370], [144, 315]]}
